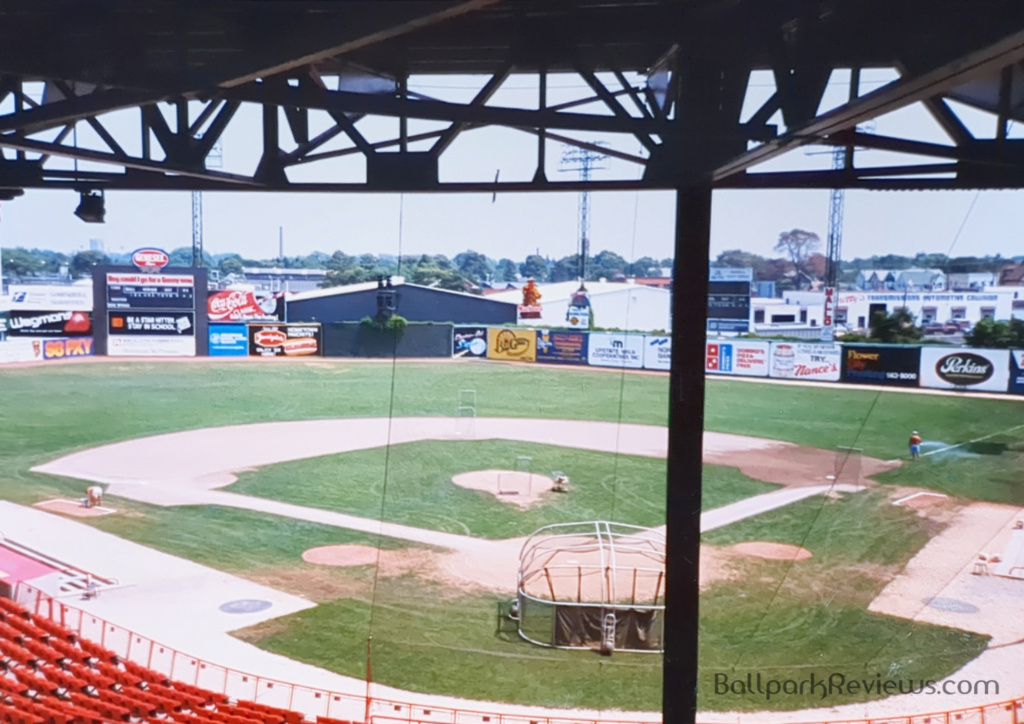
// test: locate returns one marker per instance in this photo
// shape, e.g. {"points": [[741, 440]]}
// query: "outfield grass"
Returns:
{"points": [[410, 483], [784, 620], [425, 639], [791, 619]]}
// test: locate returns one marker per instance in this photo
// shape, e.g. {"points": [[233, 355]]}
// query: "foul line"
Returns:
{"points": [[971, 442]]}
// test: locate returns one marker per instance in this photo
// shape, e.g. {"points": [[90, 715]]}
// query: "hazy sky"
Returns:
{"points": [[632, 224]]}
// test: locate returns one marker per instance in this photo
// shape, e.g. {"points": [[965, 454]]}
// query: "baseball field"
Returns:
{"points": [[788, 591]]}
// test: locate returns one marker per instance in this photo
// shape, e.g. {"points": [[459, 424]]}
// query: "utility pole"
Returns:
{"points": [[583, 160]]}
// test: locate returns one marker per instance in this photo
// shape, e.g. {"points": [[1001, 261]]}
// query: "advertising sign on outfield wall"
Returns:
{"points": [[229, 340], [881, 365], [285, 340], [123, 346], [1016, 371], [561, 347], [469, 342], [657, 353], [63, 348], [67, 323], [967, 368], [76, 298], [801, 361], [749, 359], [516, 345], [609, 349], [21, 350]]}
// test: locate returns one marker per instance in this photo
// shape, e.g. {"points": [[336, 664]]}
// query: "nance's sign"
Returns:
{"points": [[965, 368]]}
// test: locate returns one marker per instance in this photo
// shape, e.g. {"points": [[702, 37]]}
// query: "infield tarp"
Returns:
{"points": [[881, 365], [561, 347], [965, 368], [1016, 385]]}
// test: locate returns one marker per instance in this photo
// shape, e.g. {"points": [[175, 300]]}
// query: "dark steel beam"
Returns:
{"points": [[896, 95], [75, 108], [379, 105], [388, 33], [685, 452], [611, 102], [163, 167], [479, 100], [831, 179], [945, 117]]}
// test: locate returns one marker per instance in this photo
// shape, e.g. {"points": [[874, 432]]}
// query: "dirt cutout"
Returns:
{"points": [[73, 508], [513, 488], [771, 551]]}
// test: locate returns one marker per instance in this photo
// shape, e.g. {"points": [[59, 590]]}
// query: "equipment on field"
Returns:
{"points": [[519, 480], [593, 585], [465, 414]]}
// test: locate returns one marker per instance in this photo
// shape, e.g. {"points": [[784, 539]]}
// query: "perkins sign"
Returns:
{"points": [[964, 369], [977, 369]]}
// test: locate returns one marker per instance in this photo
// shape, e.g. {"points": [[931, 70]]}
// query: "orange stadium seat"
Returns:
{"points": [[49, 675]]}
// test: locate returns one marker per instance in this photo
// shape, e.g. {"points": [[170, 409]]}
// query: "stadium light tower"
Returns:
{"points": [[215, 159], [583, 160]]}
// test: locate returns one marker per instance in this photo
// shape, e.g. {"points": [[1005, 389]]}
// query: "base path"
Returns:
{"points": [[197, 460]]}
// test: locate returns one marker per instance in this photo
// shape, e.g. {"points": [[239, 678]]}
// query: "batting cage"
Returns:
{"points": [[592, 585]]}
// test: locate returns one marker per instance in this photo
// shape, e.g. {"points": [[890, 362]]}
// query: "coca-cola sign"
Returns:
{"points": [[964, 368], [235, 306]]}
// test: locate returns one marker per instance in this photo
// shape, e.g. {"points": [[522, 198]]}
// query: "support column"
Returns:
{"points": [[685, 451]]}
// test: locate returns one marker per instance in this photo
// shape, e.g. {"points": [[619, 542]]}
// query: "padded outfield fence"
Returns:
{"points": [[964, 369], [311, 701]]}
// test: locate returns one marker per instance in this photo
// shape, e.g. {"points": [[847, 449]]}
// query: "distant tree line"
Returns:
{"points": [[465, 270], [800, 263]]}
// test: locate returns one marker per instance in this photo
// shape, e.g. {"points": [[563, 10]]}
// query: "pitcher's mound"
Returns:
{"points": [[341, 555], [508, 486], [389, 562], [772, 551]]}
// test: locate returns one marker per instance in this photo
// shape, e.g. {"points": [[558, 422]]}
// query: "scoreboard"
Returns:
{"points": [[151, 314], [150, 291], [729, 300]]}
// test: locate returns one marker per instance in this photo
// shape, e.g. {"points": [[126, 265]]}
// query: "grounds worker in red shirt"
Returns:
{"points": [[915, 445]]}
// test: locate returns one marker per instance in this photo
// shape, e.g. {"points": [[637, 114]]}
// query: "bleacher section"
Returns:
{"points": [[49, 675]]}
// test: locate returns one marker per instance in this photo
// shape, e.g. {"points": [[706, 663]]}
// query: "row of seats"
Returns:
{"points": [[49, 675]]}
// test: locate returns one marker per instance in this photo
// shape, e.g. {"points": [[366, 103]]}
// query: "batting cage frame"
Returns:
{"points": [[593, 585]]}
